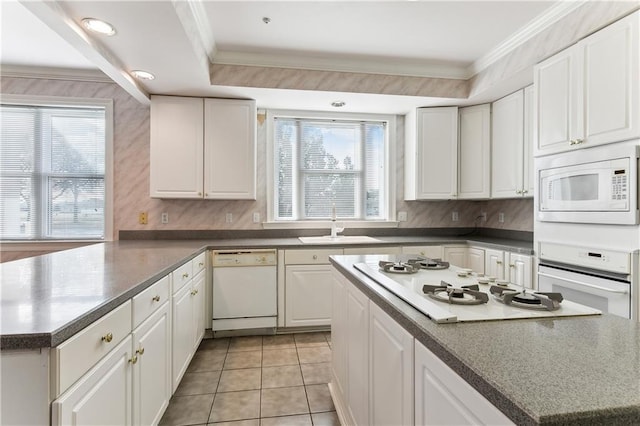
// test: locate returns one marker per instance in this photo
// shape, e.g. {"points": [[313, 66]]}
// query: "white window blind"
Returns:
{"points": [[52, 172], [324, 163]]}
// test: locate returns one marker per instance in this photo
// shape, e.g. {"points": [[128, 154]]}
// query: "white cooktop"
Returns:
{"points": [[409, 288]]}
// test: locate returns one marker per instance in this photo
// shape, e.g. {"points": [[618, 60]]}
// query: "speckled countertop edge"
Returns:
{"points": [[195, 247], [418, 325]]}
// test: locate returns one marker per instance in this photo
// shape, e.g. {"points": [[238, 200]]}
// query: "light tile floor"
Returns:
{"points": [[257, 381]]}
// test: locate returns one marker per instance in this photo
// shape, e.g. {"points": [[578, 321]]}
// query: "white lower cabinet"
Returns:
{"points": [[494, 263], [151, 371], [103, 395], [188, 325], [444, 398], [432, 252], [308, 295], [390, 370], [383, 376], [357, 337], [455, 255], [475, 259], [520, 270]]}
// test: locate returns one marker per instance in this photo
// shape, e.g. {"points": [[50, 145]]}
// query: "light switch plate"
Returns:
{"points": [[164, 217], [454, 216], [402, 216], [501, 217], [256, 217], [229, 217]]}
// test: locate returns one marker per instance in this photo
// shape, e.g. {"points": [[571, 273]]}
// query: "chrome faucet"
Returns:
{"points": [[334, 227]]}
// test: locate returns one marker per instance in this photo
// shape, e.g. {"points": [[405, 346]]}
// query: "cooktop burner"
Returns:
{"points": [[528, 300], [465, 295], [412, 266], [398, 267]]}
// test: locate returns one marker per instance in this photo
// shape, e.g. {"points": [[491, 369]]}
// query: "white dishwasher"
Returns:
{"points": [[244, 289]]}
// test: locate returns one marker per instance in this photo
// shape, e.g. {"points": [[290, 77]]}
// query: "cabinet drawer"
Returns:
{"points": [[309, 257], [78, 354], [146, 303], [199, 263], [182, 275]]}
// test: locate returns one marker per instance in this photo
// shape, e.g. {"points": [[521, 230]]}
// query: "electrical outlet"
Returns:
{"points": [[402, 216], [164, 217], [483, 215], [501, 217], [454, 216], [229, 217], [143, 218], [256, 217]]}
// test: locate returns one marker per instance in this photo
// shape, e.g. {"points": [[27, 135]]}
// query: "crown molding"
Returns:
{"points": [[55, 73], [387, 66], [543, 21]]}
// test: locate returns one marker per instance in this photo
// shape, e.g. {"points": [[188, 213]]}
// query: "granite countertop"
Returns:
{"points": [[563, 371], [46, 299]]}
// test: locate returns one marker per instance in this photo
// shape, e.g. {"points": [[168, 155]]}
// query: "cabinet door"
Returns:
{"points": [[100, 397], [528, 171], [556, 103], [456, 256], [230, 149], [494, 263], [198, 309], [339, 331], [475, 259], [176, 156], [182, 334], [474, 155], [444, 398], [611, 83], [520, 270], [357, 335], [507, 146], [308, 295], [437, 153], [432, 252], [152, 371], [390, 370]]}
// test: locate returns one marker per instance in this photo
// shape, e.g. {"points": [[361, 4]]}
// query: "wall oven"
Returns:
{"points": [[602, 279], [594, 185]]}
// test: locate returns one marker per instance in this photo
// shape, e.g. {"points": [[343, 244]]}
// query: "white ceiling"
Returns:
{"points": [[422, 38]]}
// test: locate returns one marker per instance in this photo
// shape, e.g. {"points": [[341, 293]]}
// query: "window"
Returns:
{"points": [[322, 165], [53, 161]]}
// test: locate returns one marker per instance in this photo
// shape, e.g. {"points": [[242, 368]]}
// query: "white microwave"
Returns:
{"points": [[594, 185]]}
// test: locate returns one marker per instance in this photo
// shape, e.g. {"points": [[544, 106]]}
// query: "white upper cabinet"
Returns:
{"points": [[203, 148], [528, 171], [507, 152], [474, 158], [589, 94], [230, 149], [431, 154], [177, 132]]}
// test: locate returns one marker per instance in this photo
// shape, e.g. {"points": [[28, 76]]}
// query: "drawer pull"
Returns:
{"points": [[185, 275], [107, 337], [133, 359], [498, 262], [156, 298], [201, 264], [315, 257], [194, 292], [140, 351]]}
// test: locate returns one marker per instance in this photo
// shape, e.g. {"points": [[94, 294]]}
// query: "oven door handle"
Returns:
{"points": [[597, 287]]}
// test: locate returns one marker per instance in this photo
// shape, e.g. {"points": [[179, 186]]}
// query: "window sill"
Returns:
{"points": [[326, 224], [42, 245]]}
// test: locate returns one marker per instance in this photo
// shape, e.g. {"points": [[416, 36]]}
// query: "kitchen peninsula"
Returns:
{"points": [[558, 371]]}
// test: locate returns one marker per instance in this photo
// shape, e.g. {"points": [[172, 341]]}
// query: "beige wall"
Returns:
{"points": [[131, 169]]}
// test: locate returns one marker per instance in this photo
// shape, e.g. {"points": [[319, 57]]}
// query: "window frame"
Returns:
{"points": [[58, 101], [389, 178]]}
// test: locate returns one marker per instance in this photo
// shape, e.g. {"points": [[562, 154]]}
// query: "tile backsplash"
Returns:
{"points": [[131, 176]]}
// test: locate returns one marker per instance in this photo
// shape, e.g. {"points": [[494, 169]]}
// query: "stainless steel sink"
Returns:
{"points": [[340, 239]]}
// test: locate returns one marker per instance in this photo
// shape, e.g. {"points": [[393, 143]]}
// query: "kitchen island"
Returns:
{"points": [[558, 371]]}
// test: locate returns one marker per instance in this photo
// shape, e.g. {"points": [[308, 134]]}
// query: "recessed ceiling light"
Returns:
{"points": [[142, 75], [338, 104], [98, 26]]}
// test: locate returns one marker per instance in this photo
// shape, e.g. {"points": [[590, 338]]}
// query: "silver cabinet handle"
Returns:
{"points": [[518, 191], [597, 287]]}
